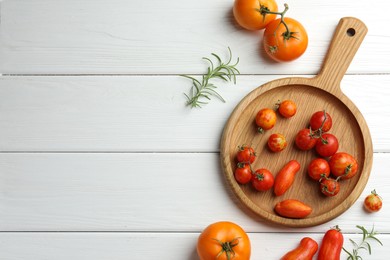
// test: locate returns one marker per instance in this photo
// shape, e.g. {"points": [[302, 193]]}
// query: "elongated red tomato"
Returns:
{"points": [[305, 251], [331, 245], [292, 208], [285, 177]]}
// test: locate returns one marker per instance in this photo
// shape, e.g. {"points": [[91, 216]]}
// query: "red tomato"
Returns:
{"points": [[343, 165], [327, 145], [329, 186], [287, 108], [282, 44], [246, 154], [262, 180], [292, 208], [331, 245], [373, 203], [285, 177], [265, 119], [305, 139], [318, 168], [277, 142], [321, 120], [305, 251], [243, 173], [251, 14]]}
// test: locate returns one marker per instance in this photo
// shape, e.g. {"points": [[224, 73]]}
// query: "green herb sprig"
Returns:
{"points": [[202, 90], [364, 244]]}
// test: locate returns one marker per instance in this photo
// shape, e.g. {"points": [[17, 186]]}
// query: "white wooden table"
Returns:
{"points": [[101, 159]]}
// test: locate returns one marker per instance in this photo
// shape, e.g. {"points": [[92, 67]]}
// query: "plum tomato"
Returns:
{"points": [[262, 180], [373, 202], [321, 120], [282, 44], [287, 108], [327, 145], [277, 142], [318, 168], [305, 140], [329, 187], [252, 14], [265, 119], [243, 173], [246, 154], [343, 165]]}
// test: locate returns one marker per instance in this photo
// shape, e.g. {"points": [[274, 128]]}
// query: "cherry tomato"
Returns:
{"points": [[373, 203], [343, 165], [329, 187], [292, 208], [331, 245], [287, 108], [262, 180], [250, 13], [318, 168], [285, 177], [327, 145], [282, 44], [265, 119], [305, 140], [243, 173], [277, 142], [321, 119], [246, 154]]}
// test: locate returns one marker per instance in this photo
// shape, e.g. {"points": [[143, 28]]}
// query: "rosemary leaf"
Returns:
{"points": [[203, 89], [364, 244]]}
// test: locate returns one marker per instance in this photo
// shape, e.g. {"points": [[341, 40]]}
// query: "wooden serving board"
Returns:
{"points": [[310, 94]]}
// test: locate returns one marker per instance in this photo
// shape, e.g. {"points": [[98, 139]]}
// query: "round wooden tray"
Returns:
{"points": [[311, 95]]}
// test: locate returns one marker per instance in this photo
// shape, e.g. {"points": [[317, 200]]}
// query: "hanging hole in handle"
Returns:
{"points": [[351, 32]]}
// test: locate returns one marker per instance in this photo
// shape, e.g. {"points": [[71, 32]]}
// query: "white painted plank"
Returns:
{"points": [[143, 246], [143, 113], [142, 192], [169, 37]]}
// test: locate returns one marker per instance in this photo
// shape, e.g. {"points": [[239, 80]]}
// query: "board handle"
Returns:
{"points": [[346, 40]]}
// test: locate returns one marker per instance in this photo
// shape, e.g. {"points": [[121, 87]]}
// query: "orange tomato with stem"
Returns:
{"points": [[253, 14]]}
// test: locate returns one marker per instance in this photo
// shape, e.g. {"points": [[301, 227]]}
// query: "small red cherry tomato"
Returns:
{"points": [[329, 187], [243, 173], [373, 202], [343, 165], [327, 145], [287, 108], [265, 119], [305, 140], [246, 154], [262, 180], [277, 142], [318, 168], [321, 120]]}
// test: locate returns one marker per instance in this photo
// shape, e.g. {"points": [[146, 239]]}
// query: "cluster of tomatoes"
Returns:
{"points": [[284, 39], [340, 165]]}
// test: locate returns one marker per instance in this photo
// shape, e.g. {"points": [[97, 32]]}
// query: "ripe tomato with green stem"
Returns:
{"points": [[243, 173], [262, 179], [318, 168], [254, 14], [343, 165], [265, 119], [329, 187], [287, 108], [373, 202], [246, 154], [285, 39], [305, 140], [321, 121], [327, 145]]}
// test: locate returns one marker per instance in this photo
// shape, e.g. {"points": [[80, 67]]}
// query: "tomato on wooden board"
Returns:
{"points": [[327, 145], [223, 240], [292, 208], [331, 245], [250, 13], [285, 177], [318, 168], [373, 202], [285, 45], [262, 180], [343, 165], [305, 139], [265, 119], [246, 154], [277, 142], [287, 108], [243, 173], [329, 187], [305, 251], [321, 120]]}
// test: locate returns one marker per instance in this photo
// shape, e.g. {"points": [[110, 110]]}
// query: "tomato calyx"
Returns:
{"points": [[227, 247]]}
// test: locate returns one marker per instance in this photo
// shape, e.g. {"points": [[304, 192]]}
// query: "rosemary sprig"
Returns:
{"points": [[364, 244], [202, 90]]}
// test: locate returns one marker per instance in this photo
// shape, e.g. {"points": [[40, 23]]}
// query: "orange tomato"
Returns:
{"points": [[265, 119], [283, 45], [248, 13], [305, 251], [224, 240]]}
